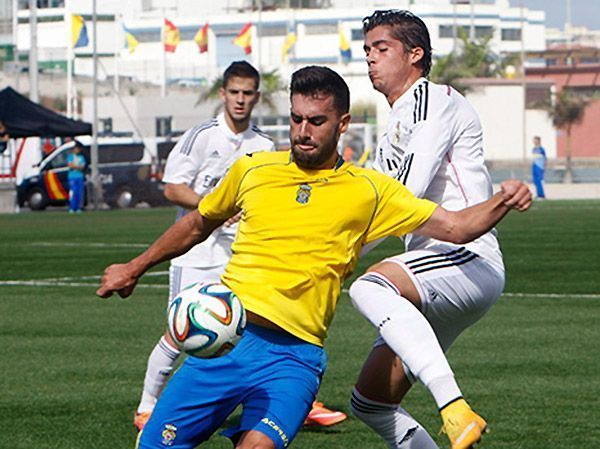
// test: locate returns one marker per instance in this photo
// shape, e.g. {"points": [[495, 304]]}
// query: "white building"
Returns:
{"points": [[318, 40]]}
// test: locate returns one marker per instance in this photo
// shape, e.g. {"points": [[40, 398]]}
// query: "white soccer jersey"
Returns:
{"points": [[200, 159], [434, 145]]}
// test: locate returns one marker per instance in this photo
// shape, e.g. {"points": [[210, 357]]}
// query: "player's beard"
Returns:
{"points": [[314, 159]]}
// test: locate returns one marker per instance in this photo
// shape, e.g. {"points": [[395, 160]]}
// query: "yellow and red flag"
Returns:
{"points": [[244, 38], [171, 36], [201, 39]]}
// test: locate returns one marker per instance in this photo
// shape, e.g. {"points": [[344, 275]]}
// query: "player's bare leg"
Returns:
{"points": [[253, 439]]}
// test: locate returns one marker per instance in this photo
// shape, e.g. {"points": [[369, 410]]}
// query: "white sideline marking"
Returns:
{"points": [[77, 282], [92, 244]]}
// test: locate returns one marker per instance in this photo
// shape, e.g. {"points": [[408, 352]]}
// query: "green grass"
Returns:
{"points": [[73, 364]]}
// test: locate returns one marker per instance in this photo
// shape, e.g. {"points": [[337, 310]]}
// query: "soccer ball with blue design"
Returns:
{"points": [[206, 320]]}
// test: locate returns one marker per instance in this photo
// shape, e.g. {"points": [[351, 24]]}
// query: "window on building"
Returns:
{"points": [[511, 34], [272, 30], [147, 34], [483, 31], [321, 28], [356, 34], [163, 126]]}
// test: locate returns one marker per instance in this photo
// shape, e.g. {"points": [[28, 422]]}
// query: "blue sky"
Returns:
{"points": [[583, 12]]}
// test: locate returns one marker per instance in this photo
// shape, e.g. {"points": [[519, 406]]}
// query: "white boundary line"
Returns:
{"points": [[77, 282], [90, 244]]}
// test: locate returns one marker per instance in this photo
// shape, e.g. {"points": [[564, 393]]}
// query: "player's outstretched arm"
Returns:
{"points": [[178, 239], [182, 195], [466, 225]]}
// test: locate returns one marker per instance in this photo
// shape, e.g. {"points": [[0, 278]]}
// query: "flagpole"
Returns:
{"points": [[16, 58], [119, 36], [98, 197], [33, 62], [163, 84], [70, 53]]}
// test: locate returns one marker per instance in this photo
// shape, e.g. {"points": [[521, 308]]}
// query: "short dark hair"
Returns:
{"points": [[241, 69], [407, 28], [314, 79]]}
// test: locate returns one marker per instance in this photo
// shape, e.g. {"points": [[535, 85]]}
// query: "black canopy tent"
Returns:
{"points": [[21, 117]]}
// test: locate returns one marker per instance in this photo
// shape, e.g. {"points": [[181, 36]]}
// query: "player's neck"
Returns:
{"points": [[403, 87], [237, 126]]}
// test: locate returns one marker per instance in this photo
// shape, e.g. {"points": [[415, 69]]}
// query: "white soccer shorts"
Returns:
{"points": [[181, 277], [457, 287]]}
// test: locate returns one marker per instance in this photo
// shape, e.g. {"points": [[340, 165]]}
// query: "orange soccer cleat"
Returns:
{"points": [[322, 416], [140, 420]]}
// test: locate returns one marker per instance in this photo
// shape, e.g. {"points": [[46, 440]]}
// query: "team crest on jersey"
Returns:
{"points": [[303, 193], [169, 434]]}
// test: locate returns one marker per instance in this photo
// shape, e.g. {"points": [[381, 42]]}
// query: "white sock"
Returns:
{"points": [[161, 362], [392, 423], [407, 332]]}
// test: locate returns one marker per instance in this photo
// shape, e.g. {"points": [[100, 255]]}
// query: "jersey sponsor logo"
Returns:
{"points": [[169, 434], [273, 425], [210, 181], [303, 193]]}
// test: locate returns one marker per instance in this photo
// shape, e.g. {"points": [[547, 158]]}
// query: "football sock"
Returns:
{"points": [[392, 423], [161, 362], [407, 332]]}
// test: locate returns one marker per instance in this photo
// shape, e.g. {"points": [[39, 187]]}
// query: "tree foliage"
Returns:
{"points": [[566, 111], [473, 59]]}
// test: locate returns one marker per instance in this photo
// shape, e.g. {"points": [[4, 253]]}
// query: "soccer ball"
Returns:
{"points": [[206, 320]]}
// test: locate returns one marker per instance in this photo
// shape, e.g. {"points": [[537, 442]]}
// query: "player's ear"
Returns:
{"points": [[344, 122], [222, 93], [416, 54]]}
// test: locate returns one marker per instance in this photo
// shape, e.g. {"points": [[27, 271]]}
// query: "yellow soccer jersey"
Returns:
{"points": [[301, 233]]}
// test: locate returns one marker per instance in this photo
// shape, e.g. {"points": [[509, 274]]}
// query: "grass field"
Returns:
{"points": [[72, 364]]}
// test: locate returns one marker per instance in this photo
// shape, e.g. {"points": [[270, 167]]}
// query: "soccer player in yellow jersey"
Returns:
{"points": [[305, 216]]}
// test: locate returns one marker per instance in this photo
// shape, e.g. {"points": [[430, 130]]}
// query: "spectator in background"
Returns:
{"points": [[76, 162], [538, 166]]}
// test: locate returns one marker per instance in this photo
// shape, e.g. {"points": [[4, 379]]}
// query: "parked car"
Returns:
{"points": [[129, 173]]}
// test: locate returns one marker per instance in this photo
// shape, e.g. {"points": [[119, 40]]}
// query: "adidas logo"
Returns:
{"points": [[214, 154]]}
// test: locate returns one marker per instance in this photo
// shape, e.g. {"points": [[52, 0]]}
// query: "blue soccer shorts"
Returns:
{"points": [[273, 375]]}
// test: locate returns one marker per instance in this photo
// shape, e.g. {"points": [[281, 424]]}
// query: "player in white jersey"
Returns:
{"points": [[421, 300], [200, 158]]}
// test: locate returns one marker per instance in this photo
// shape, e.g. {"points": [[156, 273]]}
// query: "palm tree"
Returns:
{"points": [[271, 84], [566, 111], [473, 60]]}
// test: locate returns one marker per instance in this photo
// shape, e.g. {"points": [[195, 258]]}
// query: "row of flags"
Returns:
{"points": [[171, 38]]}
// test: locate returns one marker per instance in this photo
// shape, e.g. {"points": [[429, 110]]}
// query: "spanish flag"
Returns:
{"points": [[79, 36], [345, 50], [201, 38], [244, 38], [130, 41], [290, 41], [170, 36]]}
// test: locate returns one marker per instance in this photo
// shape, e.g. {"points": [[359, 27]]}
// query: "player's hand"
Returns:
{"points": [[233, 220], [516, 195], [117, 278]]}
